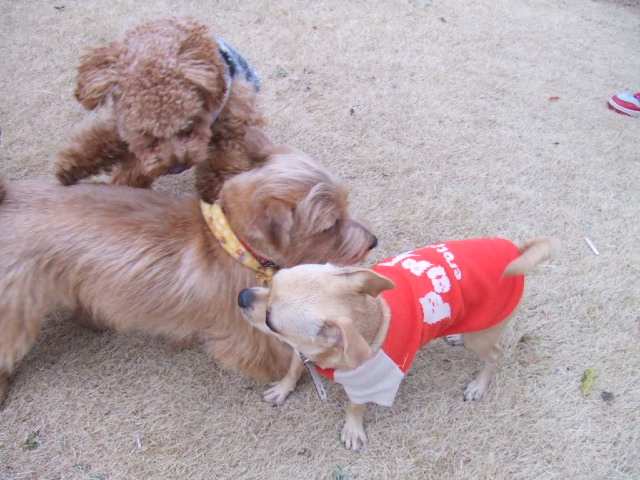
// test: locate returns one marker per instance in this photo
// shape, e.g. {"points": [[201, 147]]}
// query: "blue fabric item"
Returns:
{"points": [[238, 66]]}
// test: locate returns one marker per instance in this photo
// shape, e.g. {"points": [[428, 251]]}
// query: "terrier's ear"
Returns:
{"points": [[97, 74], [200, 63], [275, 222], [257, 143], [367, 281], [346, 339]]}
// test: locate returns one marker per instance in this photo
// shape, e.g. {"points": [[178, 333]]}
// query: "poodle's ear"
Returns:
{"points": [[97, 74], [200, 63]]}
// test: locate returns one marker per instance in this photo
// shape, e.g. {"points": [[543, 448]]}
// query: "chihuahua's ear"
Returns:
{"points": [[199, 62], [367, 281], [275, 222], [346, 339], [97, 74]]}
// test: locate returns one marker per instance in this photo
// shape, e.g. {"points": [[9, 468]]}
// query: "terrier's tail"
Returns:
{"points": [[532, 253]]}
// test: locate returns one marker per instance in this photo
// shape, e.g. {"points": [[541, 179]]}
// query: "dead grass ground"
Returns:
{"points": [[450, 119]]}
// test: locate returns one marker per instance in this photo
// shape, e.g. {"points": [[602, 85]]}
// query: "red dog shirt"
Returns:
{"points": [[443, 289]]}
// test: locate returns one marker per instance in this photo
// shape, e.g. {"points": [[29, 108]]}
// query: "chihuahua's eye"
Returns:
{"points": [[268, 322]]}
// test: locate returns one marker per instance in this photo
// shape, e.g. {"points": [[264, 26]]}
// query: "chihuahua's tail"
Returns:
{"points": [[532, 253]]}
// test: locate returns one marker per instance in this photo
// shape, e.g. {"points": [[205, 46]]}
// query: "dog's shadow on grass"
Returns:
{"points": [[70, 361]]}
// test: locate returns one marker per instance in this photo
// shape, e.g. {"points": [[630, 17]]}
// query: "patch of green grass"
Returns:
{"points": [[32, 442], [340, 473], [281, 73]]}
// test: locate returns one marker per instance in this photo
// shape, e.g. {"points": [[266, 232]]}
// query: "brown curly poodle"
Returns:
{"points": [[171, 95]]}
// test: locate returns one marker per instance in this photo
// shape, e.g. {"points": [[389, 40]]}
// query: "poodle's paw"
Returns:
{"points": [[278, 392], [65, 177], [475, 390], [353, 435], [454, 340]]}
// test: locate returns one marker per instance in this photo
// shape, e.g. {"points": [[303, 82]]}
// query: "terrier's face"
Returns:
{"points": [[300, 212]]}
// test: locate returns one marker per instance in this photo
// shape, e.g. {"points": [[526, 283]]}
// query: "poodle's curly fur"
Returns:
{"points": [[165, 100]]}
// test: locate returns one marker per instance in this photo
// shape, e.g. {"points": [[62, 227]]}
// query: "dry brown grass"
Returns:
{"points": [[450, 119]]}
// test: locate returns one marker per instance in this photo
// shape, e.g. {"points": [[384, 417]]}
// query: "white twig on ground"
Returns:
{"points": [[593, 247]]}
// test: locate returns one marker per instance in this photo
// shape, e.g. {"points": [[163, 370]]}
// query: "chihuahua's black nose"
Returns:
{"points": [[374, 243], [245, 297]]}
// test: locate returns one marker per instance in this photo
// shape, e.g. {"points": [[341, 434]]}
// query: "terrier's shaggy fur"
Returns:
{"points": [[141, 260]]}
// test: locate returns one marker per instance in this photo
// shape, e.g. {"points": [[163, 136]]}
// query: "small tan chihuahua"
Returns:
{"points": [[363, 327]]}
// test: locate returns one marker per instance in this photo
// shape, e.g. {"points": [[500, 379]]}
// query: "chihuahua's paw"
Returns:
{"points": [[454, 340], [278, 392], [353, 436], [475, 390]]}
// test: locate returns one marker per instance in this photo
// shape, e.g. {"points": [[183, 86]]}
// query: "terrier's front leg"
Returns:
{"points": [[278, 391], [353, 434]]}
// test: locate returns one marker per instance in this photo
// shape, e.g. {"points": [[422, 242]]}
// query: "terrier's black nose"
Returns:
{"points": [[245, 297], [374, 243]]}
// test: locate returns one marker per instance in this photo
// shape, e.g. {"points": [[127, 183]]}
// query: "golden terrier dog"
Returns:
{"points": [[141, 260], [171, 95], [363, 327]]}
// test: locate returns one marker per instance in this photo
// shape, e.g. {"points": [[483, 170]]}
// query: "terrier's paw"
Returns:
{"points": [[454, 340], [353, 436], [277, 392], [474, 390]]}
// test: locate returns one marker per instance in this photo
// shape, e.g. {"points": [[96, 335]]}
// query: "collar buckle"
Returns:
{"points": [[220, 228]]}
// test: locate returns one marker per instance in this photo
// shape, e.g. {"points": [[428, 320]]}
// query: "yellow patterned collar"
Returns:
{"points": [[217, 222]]}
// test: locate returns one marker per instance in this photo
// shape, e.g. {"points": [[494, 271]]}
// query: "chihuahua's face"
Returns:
{"points": [[316, 309]]}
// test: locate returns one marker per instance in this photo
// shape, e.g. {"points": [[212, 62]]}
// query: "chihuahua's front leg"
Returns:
{"points": [[278, 391], [353, 435]]}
